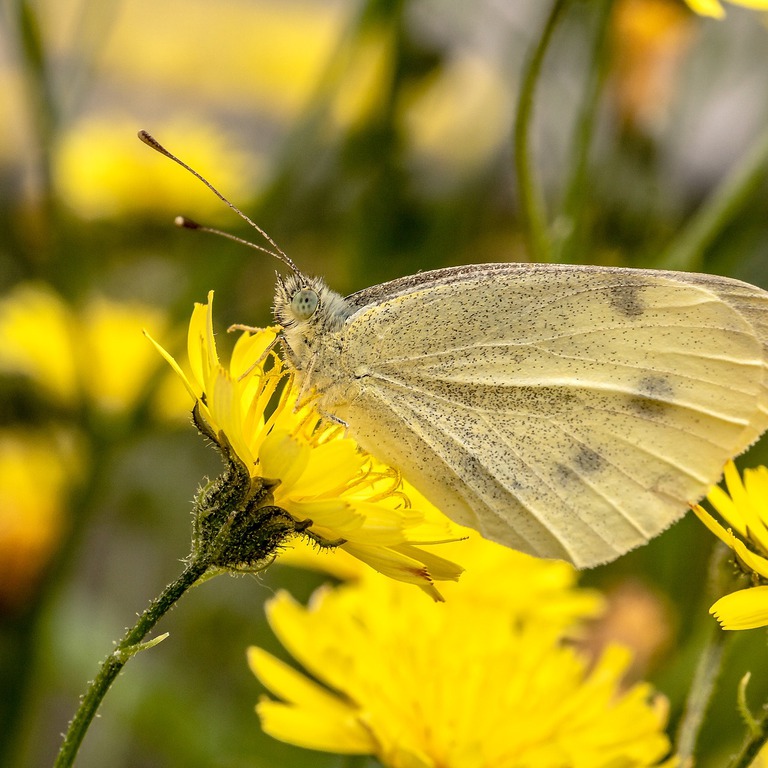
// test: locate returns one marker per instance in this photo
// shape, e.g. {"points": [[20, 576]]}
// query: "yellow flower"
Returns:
{"points": [[102, 170], [37, 330], [464, 684], [714, 7], [97, 354], [745, 509], [650, 39], [114, 359], [36, 471], [314, 472]]}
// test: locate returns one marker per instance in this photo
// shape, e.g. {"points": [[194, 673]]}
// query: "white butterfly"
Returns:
{"points": [[566, 411]]}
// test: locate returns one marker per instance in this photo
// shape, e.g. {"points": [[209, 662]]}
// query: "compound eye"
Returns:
{"points": [[304, 303]]}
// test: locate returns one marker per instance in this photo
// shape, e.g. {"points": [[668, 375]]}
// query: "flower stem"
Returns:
{"points": [[700, 693], [116, 660], [754, 743], [531, 197], [570, 223], [687, 249], [709, 664]]}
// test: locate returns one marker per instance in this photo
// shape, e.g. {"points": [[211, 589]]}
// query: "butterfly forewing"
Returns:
{"points": [[566, 411]]}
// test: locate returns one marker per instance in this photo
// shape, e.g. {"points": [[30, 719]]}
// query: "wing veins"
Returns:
{"points": [[533, 472], [592, 386]]}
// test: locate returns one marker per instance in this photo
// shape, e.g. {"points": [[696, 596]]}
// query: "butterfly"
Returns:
{"points": [[571, 412], [567, 411]]}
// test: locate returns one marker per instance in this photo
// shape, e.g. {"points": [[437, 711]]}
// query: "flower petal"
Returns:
{"points": [[745, 609], [707, 8]]}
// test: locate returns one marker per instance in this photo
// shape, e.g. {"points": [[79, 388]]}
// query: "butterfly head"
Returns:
{"points": [[306, 310]]}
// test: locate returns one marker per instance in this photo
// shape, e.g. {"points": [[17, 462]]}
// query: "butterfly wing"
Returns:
{"points": [[566, 411]]}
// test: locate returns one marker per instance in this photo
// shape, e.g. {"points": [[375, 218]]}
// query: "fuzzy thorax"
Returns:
{"points": [[302, 333]]}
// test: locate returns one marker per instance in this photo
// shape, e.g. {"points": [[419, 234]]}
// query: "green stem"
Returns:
{"points": [[687, 249], [116, 660], [700, 693], [754, 743], [709, 664], [531, 197], [569, 225], [39, 247]]}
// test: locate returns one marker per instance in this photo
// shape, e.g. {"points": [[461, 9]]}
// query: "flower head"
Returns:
{"points": [[745, 509], [36, 473], [464, 684], [95, 354], [336, 494]]}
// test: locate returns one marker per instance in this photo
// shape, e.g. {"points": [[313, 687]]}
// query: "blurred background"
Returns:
{"points": [[371, 140]]}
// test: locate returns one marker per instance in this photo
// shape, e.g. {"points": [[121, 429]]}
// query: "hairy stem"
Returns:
{"points": [[116, 660]]}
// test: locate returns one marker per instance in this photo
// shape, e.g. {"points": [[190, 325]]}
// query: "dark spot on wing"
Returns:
{"points": [[587, 461], [584, 461], [655, 394], [626, 300], [564, 474]]}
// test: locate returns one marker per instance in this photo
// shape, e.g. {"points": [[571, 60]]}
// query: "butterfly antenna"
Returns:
{"points": [[278, 253]]}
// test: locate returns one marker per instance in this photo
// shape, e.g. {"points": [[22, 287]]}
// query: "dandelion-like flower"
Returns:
{"points": [[306, 473], [92, 354], [464, 684], [745, 509]]}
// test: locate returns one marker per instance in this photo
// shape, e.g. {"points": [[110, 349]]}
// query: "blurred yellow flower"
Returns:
{"points": [[745, 509], [714, 7], [97, 354], [440, 117], [314, 472], [37, 331], [649, 40], [464, 684], [115, 360], [268, 54], [36, 472], [102, 170]]}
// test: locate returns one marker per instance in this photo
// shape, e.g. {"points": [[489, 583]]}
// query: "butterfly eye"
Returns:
{"points": [[304, 303]]}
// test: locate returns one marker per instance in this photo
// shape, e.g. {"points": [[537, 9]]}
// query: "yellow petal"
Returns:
{"points": [[282, 457], [196, 340], [745, 609], [290, 685], [756, 483], [725, 507], [712, 524], [193, 389], [757, 563], [331, 519], [333, 463], [707, 8], [395, 565], [439, 568], [321, 730]]}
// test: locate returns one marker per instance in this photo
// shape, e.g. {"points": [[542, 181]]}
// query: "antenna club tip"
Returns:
{"points": [[185, 223]]}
